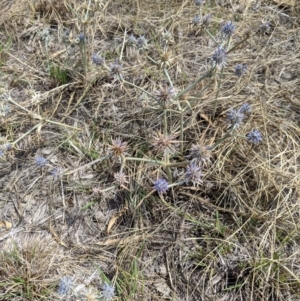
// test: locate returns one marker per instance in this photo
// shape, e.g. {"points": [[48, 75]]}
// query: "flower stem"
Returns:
{"points": [[207, 74], [217, 93]]}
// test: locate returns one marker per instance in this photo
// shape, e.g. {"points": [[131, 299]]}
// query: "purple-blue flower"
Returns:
{"points": [[235, 117], [245, 108], [116, 68], [108, 291], [254, 136], [57, 172], [8, 146], [199, 2], [227, 29], [40, 161], [132, 41], [97, 60], [194, 173], [219, 57], [142, 42], [196, 20], [65, 285], [240, 69], [81, 38], [161, 186]]}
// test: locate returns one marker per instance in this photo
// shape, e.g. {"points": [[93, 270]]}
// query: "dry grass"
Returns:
{"points": [[234, 237]]}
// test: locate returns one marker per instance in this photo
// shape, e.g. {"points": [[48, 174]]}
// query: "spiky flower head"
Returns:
{"points": [[227, 29], [161, 142], [199, 2], [81, 38], [166, 58], [245, 108], [235, 117], [108, 291], [1, 153], [161, 186], [4, 109], [193, 173], [254, 136], [200, 154], [57, 172], [219, 57], [142, 42], [40, 161], [65, 285], [165, 94], [116, 68], [118, 147], [97, 60], [7, 146], [120, 178], [196, 20], [240, 69], [132, 41], [265, 26]]}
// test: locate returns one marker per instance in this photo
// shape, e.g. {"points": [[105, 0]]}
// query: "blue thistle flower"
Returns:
{"points": [[81, 38], [97, 60], [265, 26], [56, 172], [219, 57], [194, 173], [132, 41], [40, 161], [240, 69], [200, 154], [245, 108], [67, 32], [227, 29], [1, 153], [116, 68], [7, 146], [235, 117], [199, 2], [254, 136], [161, 186], [65, 285], [165, 94], [142, 42], [108, 291], [4, 109], [196, 20]]}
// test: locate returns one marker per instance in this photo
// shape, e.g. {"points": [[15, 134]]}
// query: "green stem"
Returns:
{"points": [[167, 162], [145, 160], [239, 43], [165, 123], [217, 93], [207, 74], [161, 163], [84, 51], [139, 88], [181, 132], [219, 83], [36, 116], [227, 135], [23, 136], [87, 165], [211, 36]]}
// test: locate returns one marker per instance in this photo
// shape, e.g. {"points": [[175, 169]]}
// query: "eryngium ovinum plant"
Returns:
{"points": [[167, 99]]}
